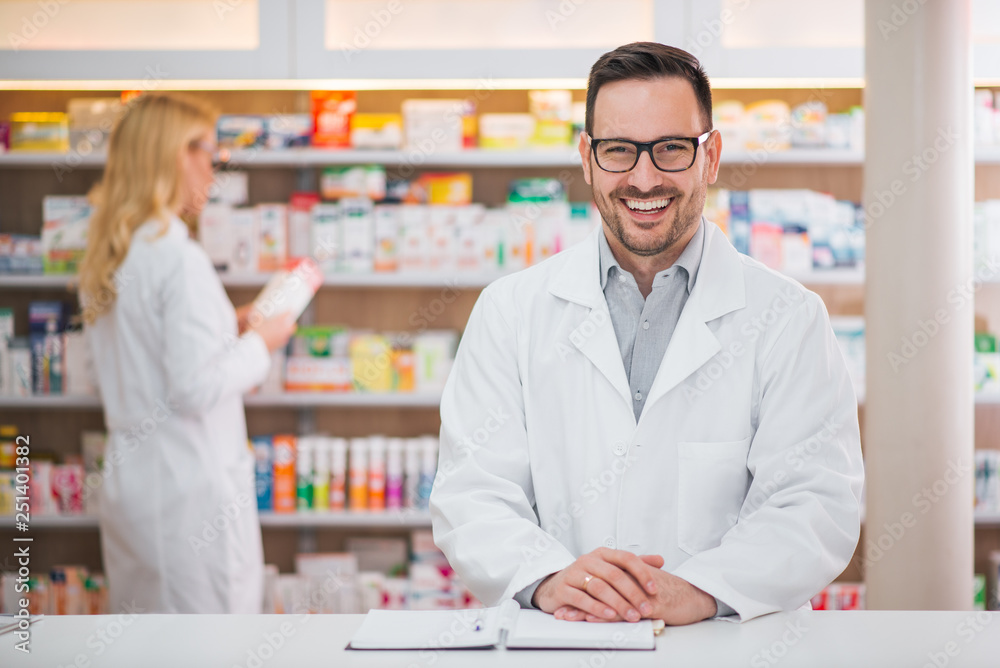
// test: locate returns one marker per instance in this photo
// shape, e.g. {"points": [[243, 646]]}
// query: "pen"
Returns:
{"points": [[479, 624]]}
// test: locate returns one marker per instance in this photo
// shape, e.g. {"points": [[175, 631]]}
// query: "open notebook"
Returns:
{"points": [[503, 626]]}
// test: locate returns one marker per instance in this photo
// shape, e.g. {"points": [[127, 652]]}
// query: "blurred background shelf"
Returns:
{"points": [[391, 519]]}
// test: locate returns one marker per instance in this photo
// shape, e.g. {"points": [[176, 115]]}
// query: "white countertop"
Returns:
{"points": [[803, 638]]}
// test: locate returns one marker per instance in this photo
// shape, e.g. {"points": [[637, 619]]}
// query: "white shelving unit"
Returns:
{"points": [[320, 157], [283, 400], [848, 276], [389, 519], [552, 157]]}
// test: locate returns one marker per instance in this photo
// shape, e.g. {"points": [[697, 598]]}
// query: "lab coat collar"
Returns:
{"points": [[719, 290]]}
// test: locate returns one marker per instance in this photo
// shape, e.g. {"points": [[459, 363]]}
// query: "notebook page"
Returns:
{"points": [[427, 629], [539, 630]]}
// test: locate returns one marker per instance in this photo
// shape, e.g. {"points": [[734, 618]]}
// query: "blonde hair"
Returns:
{"points": [[142, 181]]}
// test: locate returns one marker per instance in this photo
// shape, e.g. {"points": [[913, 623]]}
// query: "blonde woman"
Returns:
{"points": [[178, 514]]}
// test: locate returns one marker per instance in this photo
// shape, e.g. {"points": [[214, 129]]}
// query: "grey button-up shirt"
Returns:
{"points": [[643, 327]]}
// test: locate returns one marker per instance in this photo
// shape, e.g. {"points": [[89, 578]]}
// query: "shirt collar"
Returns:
{"points": [[689, 259]]}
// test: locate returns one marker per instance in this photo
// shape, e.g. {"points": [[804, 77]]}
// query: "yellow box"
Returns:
{"points": [[39, 131]]}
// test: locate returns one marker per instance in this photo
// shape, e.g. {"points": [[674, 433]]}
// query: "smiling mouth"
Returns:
{"points": [[647, 207]]}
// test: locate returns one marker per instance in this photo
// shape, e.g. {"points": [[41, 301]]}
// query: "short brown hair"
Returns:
{"points": [[648, 60]]}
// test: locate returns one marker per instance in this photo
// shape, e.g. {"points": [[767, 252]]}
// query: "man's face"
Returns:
{"points": [[645, 111]]}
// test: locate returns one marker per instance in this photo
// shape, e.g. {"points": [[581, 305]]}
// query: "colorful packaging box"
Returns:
{"points": [[64, 232], [272, 248], [288, 131], [263, 471], [332, 112], [39, 131], [377, 131], [241, 131], [283, 489]]}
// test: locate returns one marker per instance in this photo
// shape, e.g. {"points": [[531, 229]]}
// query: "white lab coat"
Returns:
{"points": [[744, 471], [178, 510]]}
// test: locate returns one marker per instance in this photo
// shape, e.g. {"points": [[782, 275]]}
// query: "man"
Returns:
{"points": [[649, 425]]}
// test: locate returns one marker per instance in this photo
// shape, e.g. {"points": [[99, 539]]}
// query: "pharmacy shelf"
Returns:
{"points": [[417, 159], [380, 280], [50, 522], [469, 280], [987, 519], [372, 280], [33, 281], [283, 400], [988, 155], [52, 401], [471, 158], [394, 519], [389, 519], [345, 399]]}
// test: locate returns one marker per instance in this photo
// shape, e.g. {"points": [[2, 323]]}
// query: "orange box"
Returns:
{"points": [[332, 111], [284, 473]]}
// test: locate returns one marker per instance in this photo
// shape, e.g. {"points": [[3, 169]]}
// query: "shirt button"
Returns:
{"points": [[620, 448], [645, 325], [621, 278], [610, 543], [638, 396]]}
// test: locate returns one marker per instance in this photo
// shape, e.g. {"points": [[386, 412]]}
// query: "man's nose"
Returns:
{"points": [[645, 176]]}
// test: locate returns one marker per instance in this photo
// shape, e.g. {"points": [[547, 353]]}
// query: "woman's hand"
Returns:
{"points": [[243, 317], [276, 330]]}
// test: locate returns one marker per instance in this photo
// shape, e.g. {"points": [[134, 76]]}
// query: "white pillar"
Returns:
{"points": [[919, 410]]}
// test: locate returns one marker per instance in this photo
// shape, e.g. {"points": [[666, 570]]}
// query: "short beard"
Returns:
{"points": [[685, 219]]}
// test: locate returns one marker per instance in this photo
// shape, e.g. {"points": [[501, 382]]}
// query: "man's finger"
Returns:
{"points": [[600, 589], [626, 586], [654, 560], [583, 601], [634, 566]]}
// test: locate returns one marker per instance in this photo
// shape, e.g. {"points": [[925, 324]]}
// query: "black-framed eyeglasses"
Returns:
{"points": [[672, 154]]}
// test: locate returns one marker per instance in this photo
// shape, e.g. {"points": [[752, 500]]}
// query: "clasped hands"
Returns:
{"points": [[614, 585]]}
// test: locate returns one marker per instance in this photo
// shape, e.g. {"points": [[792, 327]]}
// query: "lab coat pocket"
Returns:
{"points": [[712, 482]]}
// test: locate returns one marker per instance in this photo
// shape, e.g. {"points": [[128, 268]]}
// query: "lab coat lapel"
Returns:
{"points": [[593, 334], [719, 290]]}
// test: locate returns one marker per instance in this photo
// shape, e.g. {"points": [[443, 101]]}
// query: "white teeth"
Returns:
{"points": [[647, 205]]}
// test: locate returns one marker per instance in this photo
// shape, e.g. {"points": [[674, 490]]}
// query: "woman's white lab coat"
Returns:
{"points": [[178, 510], [744, 471]]}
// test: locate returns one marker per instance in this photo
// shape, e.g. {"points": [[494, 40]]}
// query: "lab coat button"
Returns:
{"points": [[645, 325], [620, 448], [610, 543]]}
